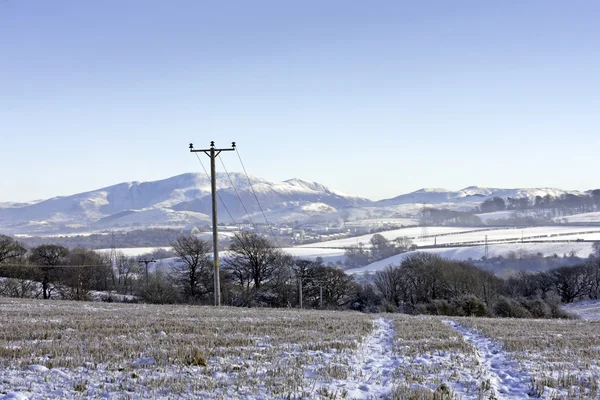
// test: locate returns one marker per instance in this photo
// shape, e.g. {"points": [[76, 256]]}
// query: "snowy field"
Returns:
{"points": [[547, 240], [389, 235], [582, 218], [467, 235], [542, 233], [588, 310], [135, 251], [581, 249], [59, 349]]}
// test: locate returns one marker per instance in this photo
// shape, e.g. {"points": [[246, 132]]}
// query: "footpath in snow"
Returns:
{"points": [[505, 379], [371, 366]]}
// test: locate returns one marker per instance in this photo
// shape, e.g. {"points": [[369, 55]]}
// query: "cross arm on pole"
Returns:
{"points": [[211, 149]]}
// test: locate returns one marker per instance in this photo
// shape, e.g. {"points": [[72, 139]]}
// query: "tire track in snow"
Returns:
{"points": [[506, 380], [372, 365]]}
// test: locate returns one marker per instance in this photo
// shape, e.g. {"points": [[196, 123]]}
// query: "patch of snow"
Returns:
{"points": [[15, 396], [37, 368], [373, 366], [587, 310], [505, 377], [143, 362]]}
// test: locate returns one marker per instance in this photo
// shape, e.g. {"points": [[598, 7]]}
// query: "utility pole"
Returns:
{"points": [[146, 262], [300, 291], [487, 252], [320, 295], [212, 153]]}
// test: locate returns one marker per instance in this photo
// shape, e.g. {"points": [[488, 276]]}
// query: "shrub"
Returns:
{"points": [[509, 308], [471, 306]]}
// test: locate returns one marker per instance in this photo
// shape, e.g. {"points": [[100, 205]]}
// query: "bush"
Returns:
{"points": [[440, 307], [464, 306], [509, 308], [538, 308], [471, 306]]}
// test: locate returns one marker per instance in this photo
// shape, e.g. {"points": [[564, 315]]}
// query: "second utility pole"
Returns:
{"points": [[213, 153]]}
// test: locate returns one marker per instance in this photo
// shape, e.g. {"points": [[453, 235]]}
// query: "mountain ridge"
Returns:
{"points": [[185, 200]]}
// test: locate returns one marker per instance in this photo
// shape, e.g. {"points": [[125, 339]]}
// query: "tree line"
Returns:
{"points": [[380, 248], [255, 273], [426, 283], [564, 204]]}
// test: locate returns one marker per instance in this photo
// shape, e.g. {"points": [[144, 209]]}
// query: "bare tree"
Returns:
{"points": [[570, 282], [194, 271], [12, 266], [76, 281], [123, 272], [48, 257], [253, 260], [10, 249], [337, 287], [391, 284]]}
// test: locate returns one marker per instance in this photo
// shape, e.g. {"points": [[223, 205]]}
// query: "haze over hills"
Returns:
{"points": [[184, 200]]}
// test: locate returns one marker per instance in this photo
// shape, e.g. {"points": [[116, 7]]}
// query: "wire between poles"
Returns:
{"points": [[218, 195], [256, 197], [237, 194]]}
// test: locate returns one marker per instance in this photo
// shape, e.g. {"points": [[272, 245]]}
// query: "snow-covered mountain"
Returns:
{"points": [[471, 194], [180, 200], [185, 200]]}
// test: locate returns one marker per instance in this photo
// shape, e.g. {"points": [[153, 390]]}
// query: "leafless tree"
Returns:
{"points": [[76, 280], [194, 270], [48, 257], [10, 249], [123, 273], [253, 262], [391, 284]]}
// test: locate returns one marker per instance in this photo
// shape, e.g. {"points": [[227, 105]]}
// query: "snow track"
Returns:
{"points": [[505, 379], [372, 366]]}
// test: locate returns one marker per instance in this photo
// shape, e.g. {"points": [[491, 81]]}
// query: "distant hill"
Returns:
{"points": [[184, 200], [471, 194], [179, 200]]}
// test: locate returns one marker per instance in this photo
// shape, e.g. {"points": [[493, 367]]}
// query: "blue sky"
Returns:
{"points": [[373, 98]]}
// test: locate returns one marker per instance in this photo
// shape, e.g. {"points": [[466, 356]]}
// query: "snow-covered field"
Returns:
{"points": [[389, 235], [59, 349], [580, 249], [135, 251], [582, 218], [547, 240], [469, 235], [588, 310]]}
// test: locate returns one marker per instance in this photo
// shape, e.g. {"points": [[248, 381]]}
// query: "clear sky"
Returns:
{"points": [[375, 98]]}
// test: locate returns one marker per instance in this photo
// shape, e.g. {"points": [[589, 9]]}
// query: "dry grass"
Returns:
{"points": [[261, 347], [560, 355], [146, 351], [434, 358]]}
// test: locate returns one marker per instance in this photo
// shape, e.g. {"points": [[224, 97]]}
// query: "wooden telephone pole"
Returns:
{"points": [[212, 153]]}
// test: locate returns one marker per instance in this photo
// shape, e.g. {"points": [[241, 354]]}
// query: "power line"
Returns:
{"points": [[237, 194], [53, 266], [256, 197], [218, 195], [145, 261], [213, 153]]}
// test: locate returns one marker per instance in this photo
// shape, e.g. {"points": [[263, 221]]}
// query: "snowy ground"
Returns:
{"points": [[54, 349], [581, 218], [135, 251], [502, 377], [581, 249], [389, 235], [588, 310]]}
